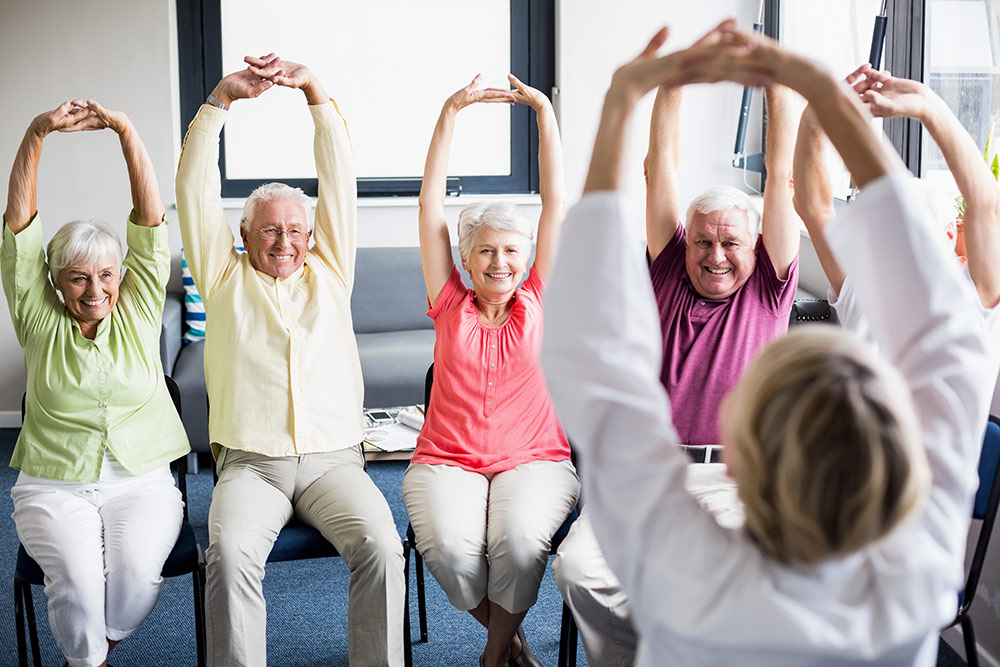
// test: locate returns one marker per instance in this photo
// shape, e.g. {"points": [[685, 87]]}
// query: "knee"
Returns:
{"points": [[229, 556], [376, 544], [520, 549], [569, 568]]}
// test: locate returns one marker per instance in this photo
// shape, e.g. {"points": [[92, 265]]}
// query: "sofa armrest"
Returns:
{"points": [[171, 330]]}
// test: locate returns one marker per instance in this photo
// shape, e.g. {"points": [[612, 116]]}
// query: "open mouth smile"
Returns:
{"points": [[717, 272]]}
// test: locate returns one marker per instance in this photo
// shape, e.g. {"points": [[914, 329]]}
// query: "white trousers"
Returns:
{"points": [[488, 536], [254, 498], [101, 547], [593, 593]]}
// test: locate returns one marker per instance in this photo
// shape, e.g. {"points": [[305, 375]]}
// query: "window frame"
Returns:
{"points": [[533, 28]]}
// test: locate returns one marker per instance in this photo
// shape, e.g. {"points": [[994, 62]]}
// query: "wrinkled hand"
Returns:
{"points": [[280, 72], [708, 60], [887, 96], [471, 94], [70, 116], [523, 94], [241, 85], [107, 118]]}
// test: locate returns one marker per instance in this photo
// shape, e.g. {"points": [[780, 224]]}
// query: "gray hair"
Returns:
{"points": [[499, 215], [721, 197], [83, 243], [273, 192]]}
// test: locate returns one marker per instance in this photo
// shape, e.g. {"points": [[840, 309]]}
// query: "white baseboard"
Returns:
{"points": [[954, 638], [10, 419]]}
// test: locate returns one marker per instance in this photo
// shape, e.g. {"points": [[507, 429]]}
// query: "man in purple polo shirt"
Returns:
{"points": [[724, 282]]}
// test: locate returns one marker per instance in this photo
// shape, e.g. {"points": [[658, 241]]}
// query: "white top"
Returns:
{"points": [[851, 317], [706, 595]]}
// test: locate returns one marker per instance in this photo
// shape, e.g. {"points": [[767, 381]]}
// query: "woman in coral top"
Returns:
{"points": [[491, 478]]}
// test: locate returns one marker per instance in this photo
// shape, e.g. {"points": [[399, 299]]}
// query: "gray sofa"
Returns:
{"points": [[395, 338]]}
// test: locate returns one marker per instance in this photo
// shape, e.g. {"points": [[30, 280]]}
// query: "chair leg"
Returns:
{"points": [[421, 597], [29, 608], [969, 637], [198, 584], [567, 639], [407, 638], [22, 644]]}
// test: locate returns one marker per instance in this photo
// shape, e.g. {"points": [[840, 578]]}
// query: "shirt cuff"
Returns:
{"points": [[209, 119]]}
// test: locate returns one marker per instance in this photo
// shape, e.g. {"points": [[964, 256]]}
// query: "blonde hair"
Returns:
{"points": [[824, 447]]}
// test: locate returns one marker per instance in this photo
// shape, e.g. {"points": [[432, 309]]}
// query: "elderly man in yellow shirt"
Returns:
{"points": [[284, 379]]}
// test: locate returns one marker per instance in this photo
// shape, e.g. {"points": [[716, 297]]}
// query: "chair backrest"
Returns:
{"points": [[985, 507], [805, 311]]}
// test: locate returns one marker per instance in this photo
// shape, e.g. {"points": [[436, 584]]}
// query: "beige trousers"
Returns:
{"points": [[254, 498], [489, 535]]}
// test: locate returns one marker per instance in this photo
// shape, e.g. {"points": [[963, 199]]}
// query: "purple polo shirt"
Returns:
{"points": [[707, 343]]}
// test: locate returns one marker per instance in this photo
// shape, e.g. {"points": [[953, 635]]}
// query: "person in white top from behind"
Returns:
{"points": [[887, 96], [856, 472]]}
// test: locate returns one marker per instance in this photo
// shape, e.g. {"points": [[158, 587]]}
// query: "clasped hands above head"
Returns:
{"points": [[79, 115]]}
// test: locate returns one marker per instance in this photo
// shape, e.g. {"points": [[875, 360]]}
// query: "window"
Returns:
{"points": [[389, 64], [962, 65]]}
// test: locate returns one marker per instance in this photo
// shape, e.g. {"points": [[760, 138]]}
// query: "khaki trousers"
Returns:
{"points": [[254, 498]]}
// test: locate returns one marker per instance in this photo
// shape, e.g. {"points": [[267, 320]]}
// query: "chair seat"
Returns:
{"points": [[299, 541], [183, 559]]}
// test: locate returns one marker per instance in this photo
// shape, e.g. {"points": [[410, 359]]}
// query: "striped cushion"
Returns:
{"points": [[194, 308]]}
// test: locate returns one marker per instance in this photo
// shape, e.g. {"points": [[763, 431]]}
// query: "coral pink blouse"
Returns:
{"points": [[491, 406]]}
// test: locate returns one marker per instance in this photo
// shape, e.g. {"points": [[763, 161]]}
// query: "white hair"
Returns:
{"points": [[721, 197], [273, 192], [500, 215], [83, 243]]}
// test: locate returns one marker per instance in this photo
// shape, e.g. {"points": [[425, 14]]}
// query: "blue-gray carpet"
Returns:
{"points": [[306, 602]]}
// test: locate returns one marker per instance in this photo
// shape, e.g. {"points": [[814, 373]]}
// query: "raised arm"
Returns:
{"points": [[663, 206], [435, 243], [335, 229], [146, 200], [813, 193], [888, 96], [780, 223], [208, 239], [22, 188], [551, 182]]}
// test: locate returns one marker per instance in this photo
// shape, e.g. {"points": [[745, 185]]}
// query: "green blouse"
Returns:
{"points": [[84, 396]]}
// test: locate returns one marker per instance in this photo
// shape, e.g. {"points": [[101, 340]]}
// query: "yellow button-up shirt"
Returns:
{"points": [[281, 360], [87, 396]]}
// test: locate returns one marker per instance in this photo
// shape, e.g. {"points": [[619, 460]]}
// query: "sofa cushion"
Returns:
{"points": [[389, 292], [394, 364], [189, 374]]}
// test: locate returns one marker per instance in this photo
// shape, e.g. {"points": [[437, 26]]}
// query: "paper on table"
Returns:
{"points": [[411, 418], [392, 438]]}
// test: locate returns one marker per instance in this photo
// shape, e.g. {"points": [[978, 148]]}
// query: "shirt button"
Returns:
{"points": [[702, 302], [99, 370], [489, 402], [492, 364], [104, 434], [493, 346], [490, 383], [102, 404]]}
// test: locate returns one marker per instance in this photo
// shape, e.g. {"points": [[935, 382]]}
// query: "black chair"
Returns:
{"points": [[805, 311], [185, 558], [568, 630], [985, 511]]}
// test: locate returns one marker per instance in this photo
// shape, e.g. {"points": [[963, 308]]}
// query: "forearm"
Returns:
{"points": [[605, 171], [551, 180], [434, 184], [23, 184], [846, 123], [146, 198], [813, 196], [663, 211]]}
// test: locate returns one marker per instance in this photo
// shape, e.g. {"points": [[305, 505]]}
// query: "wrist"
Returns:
{"points": [[220, 95]]}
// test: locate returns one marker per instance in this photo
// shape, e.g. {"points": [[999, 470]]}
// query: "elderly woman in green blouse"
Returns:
{"points": [[95, 503]]}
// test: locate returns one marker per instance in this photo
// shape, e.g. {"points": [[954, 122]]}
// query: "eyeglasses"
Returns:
{"points": [[272, 233]]}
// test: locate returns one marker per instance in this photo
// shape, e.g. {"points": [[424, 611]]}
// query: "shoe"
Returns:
{"points": [[525, 658], [482, 660]]}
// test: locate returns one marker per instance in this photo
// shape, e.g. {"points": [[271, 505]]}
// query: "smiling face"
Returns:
{"points": [[278, 239], [720, 252], [90, 292], [496, 263]]}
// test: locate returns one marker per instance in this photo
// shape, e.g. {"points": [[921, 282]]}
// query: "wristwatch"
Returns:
{"points": [[215, 102]]}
